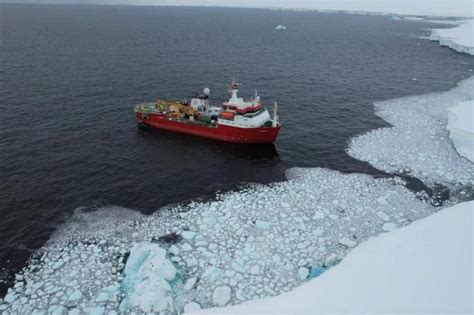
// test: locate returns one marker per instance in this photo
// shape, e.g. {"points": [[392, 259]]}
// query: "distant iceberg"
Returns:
{"points": [[461, 128], [280, 27]]}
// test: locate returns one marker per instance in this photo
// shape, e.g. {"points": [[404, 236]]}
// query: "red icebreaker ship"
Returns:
{"points": [[235, 121]]}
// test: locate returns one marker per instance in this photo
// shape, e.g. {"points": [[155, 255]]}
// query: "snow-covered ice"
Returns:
{"points": [[264, 241], [461, 128], [459, 38], [425, 267], [418, 142]]}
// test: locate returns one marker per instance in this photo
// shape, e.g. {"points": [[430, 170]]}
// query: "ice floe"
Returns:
{"points": [[425, 267], [418, 142], [262, 241], [459, 38], [461, 128]]}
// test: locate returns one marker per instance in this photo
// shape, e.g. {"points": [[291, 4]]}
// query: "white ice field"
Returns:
{"points": [[255, 243]]}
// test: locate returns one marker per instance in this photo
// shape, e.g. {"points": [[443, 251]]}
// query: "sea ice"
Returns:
{"points": [[425, 267], [119, 262], [418, 141]]}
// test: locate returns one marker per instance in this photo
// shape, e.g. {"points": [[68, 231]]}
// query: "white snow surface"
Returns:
{"points": [[418, 142], [425, 267], [459, 38], [461, 128], [301, 224]]}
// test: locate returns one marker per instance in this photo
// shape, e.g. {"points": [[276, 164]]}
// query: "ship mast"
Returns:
{"points": [[234, 88], [275, 115]]}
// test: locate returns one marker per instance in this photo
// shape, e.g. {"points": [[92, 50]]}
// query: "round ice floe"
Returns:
{"points": [[221, 295]]}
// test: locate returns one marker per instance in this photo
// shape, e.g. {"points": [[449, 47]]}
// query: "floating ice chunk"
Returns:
{"points": [[209, 221], [332, 260], [318, 215], [186, 247], [318, 232], [191, 306], [10, 297], [263, 225], [280, 27], [192, 262], [221, 295], [347, 242], [303, 273], [461, 128], [382, 215], [238, 267], [107, 294], [211, 274], [190, 283], [255, 270], [76, 295], [188, 235], [174, 250], [147, 273], [390, 226]]}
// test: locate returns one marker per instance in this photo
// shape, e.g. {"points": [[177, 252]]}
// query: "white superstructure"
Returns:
{"points": [[238, 112]]}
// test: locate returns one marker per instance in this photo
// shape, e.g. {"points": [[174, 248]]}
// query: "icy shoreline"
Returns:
{"points": [[425, 267], [459, 38]]}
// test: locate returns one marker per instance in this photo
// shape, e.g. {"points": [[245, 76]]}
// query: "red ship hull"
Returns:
{"points": [[218, 132]]}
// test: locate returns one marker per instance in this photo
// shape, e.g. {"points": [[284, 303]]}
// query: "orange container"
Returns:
{"points": [[228, 115]]}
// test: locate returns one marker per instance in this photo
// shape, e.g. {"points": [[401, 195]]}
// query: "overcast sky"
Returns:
{"points": [[417, 7]]}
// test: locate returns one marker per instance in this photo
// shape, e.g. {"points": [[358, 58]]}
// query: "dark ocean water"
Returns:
{"points": [[70, 76]]}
